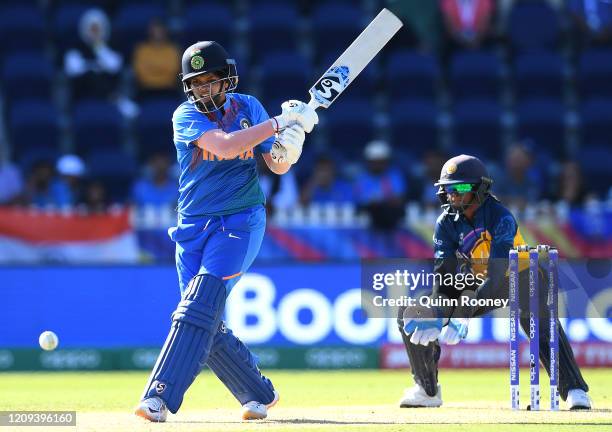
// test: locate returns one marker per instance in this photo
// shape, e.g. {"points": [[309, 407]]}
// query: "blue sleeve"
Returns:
{"points": [[503, 236], [188, 126], [444, 245], [259, 115]]}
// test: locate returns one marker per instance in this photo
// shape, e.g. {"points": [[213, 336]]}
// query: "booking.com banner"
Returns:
{"points": [[278, 306]]}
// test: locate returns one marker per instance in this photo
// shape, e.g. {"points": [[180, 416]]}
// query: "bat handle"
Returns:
{"points": [[313, 103]]}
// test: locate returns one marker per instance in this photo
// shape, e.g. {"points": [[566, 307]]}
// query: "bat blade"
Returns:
{"points": [[354, 59]]}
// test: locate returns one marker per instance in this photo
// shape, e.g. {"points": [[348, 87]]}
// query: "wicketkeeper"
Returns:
{"points": [[474, 230]]}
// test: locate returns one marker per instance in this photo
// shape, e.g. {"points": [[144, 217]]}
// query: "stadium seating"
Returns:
{"points": [[543, 120], [208, 22], [273, 27], [477, 128], [410, 74], [413, 125], [539, 74], [21, 28], [96, 125], [27, 75], [116, 169], [595, 161], [131, 23], [154, 128], [596, 124], [475, 74], [65, 26], [34, 125], [283, 75], [533, 25], [349, 127], [334, 26], [594, 72]]}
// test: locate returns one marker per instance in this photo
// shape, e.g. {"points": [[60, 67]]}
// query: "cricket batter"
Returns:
{"points": [[473, 225], [220, 227]]}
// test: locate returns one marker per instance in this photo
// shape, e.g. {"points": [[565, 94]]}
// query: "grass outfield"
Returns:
{"points": [[475, 400]]}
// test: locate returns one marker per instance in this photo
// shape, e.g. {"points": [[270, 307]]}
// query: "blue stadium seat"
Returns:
{"points": [[543, 120], [66, 25], [414, 126], [284, 76], [335, 26], [33, 125], [594, 72], [349, 125], [477, 128], [96, 125], [115, 169], [131, 24], [154, 128], [595, 162], [411, 74], [21, 28], [539, 75], [209, 22], [273, 27], [475, 75], [533, 25], [27, 75], [596, 124]]}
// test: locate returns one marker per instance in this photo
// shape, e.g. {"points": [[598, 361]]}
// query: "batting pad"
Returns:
{"points": [[187, 347], [236, 367]]}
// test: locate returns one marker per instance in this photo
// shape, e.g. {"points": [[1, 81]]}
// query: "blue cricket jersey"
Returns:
{"points": [[209, 185]]}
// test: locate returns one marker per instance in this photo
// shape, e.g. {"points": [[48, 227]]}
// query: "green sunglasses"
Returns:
{"points": [[459, 188]]}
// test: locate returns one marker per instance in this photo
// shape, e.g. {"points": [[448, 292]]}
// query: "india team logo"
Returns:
{"points": [[197, 62], [245, 123], [331, 85]]}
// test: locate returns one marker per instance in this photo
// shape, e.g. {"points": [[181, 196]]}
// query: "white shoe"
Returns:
{"points": [[416, 397], [153, 409], [578, 399], [254, 410]]}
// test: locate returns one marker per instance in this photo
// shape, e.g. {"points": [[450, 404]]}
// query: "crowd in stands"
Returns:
{"points": [[88, 89]]}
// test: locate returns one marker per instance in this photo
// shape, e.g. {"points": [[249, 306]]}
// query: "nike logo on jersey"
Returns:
{"points": [[234, 236]]}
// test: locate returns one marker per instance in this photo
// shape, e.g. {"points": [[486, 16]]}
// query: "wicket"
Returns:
{"points": [[534, 324]]}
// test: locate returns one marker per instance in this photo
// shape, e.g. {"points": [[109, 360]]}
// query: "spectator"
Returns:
{"points": [[468, 23], [93, 67], [592, 21], [158, 186], [380, 189], [71, 170], [95, 199], [324, 186], [11, 180], [281, 191], [432, 161], [156, 63], [43, 188], [570, 187], [520, 182]]}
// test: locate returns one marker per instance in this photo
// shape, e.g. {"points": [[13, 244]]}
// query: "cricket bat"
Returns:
{"points": [[354, 59]]}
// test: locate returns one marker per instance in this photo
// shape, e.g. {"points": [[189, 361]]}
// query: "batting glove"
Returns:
{"points": [[298, 112], [288, 146]]}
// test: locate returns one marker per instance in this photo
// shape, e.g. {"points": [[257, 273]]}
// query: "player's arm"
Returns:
{"points": [[233, 144], [230, 145], [279, 168]]}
